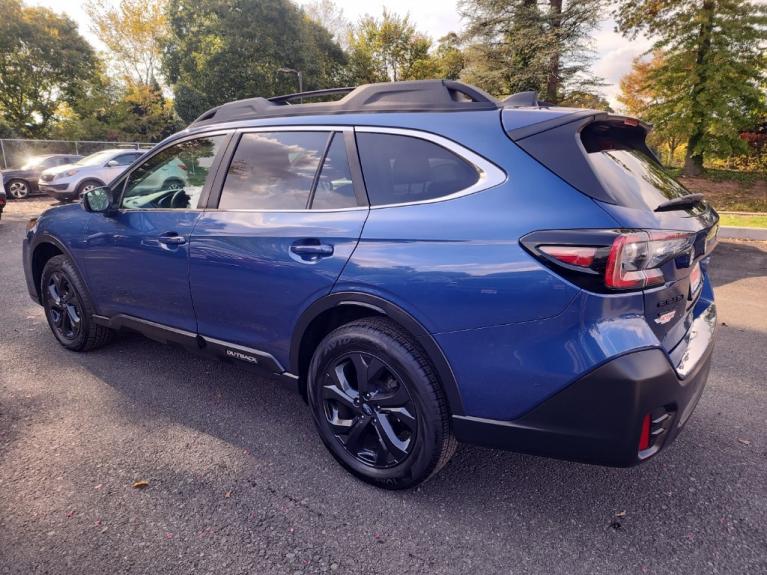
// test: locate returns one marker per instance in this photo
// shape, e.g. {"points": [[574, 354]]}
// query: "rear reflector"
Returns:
{"points": [[644, 436]]}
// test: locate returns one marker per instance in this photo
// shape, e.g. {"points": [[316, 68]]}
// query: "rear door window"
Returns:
{"points": [[402, 169], [273, 171]]}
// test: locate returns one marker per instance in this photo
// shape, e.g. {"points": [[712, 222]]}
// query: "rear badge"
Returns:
{"points": [[664, 318]]}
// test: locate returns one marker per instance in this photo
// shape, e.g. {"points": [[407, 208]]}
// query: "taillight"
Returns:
{"points": [[635, 258], [573, 255], [610, 260]]}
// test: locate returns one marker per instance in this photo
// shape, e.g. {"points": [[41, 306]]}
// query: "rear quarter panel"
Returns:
{"points": [[458, 264]]}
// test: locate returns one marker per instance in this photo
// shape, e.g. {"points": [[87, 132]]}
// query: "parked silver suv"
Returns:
{"points": [[70, 181]]}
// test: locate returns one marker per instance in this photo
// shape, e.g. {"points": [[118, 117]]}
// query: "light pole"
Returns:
{"points": [[298, 74]]}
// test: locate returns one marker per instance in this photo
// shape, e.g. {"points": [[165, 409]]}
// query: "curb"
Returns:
{"points": [[739, 233]]}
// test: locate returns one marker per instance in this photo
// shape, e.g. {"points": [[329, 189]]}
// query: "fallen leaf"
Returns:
{"points": [[744, 441], [140, 484], [621, 514]]}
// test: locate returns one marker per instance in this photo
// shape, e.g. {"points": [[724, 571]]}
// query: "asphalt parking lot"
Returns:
{"points": [[238, 481]]}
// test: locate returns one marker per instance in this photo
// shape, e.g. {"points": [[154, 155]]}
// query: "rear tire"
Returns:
{"points": [[68, 308], [378, 406], [18, 189]]}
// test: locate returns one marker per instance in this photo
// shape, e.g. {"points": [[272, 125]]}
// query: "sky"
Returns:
{"points": [[613, 53]]}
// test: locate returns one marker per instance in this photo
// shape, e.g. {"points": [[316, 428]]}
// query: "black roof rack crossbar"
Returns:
{"points": [[409, 96], [287, 98]]}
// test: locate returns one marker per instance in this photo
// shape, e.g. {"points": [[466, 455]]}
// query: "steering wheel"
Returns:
{"points": [[179, 199]]}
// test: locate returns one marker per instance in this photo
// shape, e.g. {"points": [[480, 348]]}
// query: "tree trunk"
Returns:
{"points": [[552, 80], [693, 160]]}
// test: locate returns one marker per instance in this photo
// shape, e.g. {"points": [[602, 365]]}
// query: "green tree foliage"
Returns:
{"points": [[542, 45], [331, 17], [219, 51], [43, 62], [711, 81], [389, 49], [643, 98], [449, 57], [133, 32]]}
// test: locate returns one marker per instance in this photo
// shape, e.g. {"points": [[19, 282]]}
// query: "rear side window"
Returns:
{"points": [[400, 169], [273, 171]]}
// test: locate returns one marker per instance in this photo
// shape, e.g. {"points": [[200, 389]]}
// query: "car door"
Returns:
{"points": [[285, 220], [136, 258]]}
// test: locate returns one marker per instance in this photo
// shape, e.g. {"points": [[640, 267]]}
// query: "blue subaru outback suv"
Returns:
{"points": [[427, 264]]}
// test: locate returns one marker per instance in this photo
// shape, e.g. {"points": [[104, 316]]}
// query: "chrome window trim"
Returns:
{"points": [[490, 175]]}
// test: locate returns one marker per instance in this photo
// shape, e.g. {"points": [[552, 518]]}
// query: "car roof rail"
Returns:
{"points": [[409, 96], [287, 98]]}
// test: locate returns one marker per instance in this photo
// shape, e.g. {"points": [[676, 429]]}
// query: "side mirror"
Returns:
{"points": [[112, 163], [98, 200]]}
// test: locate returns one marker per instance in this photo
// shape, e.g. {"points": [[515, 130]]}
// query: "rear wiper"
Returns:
{"points": [[680, 203]]}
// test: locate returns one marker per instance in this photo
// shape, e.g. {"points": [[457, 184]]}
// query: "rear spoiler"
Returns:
{"points": [[582, 117]]}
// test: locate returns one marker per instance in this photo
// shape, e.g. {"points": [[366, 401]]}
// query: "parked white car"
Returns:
{"points": [[69, 182]]}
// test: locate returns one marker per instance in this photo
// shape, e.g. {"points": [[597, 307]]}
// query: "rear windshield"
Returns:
{"points": [[626, 168]]}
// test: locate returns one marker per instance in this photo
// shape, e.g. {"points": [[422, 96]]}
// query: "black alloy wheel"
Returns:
{"points": [[369, 409], [378, 405], [68, 308], [64, 306]]}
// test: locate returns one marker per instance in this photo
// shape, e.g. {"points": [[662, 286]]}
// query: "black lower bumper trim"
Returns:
{"points": [[598, 419]]}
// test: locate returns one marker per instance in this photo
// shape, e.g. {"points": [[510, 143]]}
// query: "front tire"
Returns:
{"points": [[68, 308], [378, 406], [85, 187]]}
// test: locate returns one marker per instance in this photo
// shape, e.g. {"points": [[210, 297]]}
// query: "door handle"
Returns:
{"points": [[319, 250], [172, 239], [311, 250]]}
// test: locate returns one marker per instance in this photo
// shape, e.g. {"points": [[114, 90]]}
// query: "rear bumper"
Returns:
{"points": [[598, 419]]}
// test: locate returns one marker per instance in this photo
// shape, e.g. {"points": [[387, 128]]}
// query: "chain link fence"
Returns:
{"points": [[15, 152]]}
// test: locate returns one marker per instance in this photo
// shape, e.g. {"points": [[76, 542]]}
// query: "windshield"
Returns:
{"points": [[95, 159], [34, 162]]}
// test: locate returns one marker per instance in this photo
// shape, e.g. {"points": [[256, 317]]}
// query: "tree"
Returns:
{"points": [[713, 70], [542, 45], [585, 99], [221, 51], [331, 17], [133, 32], [449, 57], [644, 98], [389, 49], [43, 62]]}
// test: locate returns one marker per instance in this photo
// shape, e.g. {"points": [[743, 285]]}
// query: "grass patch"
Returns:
{"points": [[758, 221], [720, 175]]}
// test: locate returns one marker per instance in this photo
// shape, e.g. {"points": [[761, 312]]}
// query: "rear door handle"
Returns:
{"points": [[312, 250], [172, 239], [318, 250]]}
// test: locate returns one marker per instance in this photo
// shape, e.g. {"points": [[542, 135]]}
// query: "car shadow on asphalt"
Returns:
{"points": [[264, 418]]}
